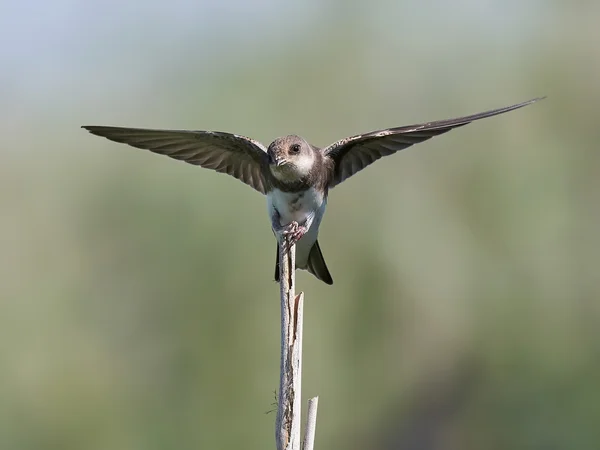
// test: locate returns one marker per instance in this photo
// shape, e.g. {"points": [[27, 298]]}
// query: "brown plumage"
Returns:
{"points": [[295, 175]]}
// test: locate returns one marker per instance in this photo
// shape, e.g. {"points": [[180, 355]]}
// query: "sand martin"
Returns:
{"points": [[294, 175]]}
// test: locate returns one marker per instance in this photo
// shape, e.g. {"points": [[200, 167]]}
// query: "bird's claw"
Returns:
{"points": [[291, 234], [297, 235], [290, 228]]}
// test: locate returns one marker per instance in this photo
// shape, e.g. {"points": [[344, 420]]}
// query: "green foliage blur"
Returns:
{"points": [[137, 307]]}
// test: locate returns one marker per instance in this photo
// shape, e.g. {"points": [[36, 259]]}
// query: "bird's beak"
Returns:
{"points": [[279, 162]]}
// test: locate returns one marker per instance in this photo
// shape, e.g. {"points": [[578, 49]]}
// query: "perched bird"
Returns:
{"points": [[295, 175]]}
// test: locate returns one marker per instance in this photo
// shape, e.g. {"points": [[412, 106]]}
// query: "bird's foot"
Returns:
{"points": [[292, 233], [297, 234], [283, 230]]}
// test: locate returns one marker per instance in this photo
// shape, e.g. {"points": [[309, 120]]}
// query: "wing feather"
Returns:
{"points": [[353, 154], [239, 156]]}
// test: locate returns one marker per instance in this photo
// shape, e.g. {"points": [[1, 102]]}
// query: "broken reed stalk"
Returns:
{"points": [[311, 424], [287, 424]]}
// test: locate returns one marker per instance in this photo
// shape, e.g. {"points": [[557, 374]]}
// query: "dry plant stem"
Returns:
{"points": [[311, 424], [287, 426]]}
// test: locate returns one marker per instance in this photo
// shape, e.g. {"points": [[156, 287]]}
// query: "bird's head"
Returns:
{"points": [[290, 158]]}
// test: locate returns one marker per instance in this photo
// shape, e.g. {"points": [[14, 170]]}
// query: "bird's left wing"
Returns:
{"points": [[353, 154], [238, 156]]}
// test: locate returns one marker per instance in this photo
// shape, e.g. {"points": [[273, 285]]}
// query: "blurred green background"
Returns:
{"points": [[137, 304]]}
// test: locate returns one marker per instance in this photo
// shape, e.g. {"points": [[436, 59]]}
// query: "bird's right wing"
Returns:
{"points": [[238, 156]]}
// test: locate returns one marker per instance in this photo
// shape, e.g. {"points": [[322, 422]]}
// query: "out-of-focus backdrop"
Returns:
{"points": [[137, 307]]}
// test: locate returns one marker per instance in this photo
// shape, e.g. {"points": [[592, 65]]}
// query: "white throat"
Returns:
{"points": [[304, 164], [294, 170]]}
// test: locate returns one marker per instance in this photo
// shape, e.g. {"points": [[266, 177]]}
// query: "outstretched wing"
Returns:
{"points": [[354, 153], [235, 155]]}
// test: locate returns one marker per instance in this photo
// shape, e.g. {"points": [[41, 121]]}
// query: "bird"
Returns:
{"points": [[295, 175]]}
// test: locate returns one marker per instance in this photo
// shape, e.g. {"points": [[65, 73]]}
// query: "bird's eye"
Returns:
{"points": [[295, 148]]}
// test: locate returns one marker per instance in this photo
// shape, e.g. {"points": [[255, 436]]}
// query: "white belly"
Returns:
{"points": [[297, 206]]}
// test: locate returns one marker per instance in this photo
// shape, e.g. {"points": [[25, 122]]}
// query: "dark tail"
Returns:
{"points": [[316, 264]]}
